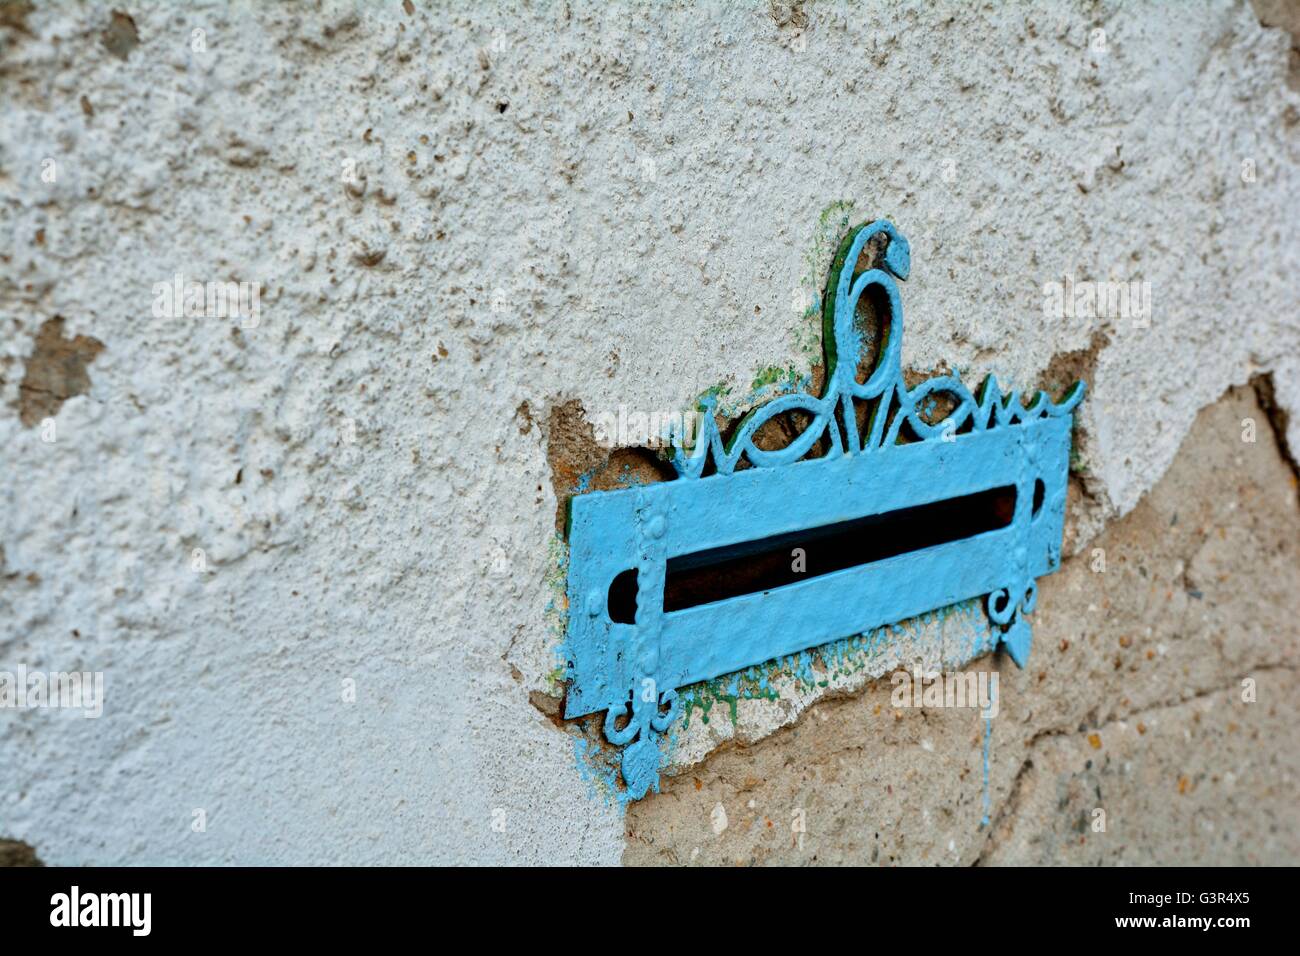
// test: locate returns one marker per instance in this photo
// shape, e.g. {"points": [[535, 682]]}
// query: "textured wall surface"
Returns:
{"points": [[476, 233]]}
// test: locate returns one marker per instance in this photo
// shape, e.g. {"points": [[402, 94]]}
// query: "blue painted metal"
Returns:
{"points": [[632, 671]]}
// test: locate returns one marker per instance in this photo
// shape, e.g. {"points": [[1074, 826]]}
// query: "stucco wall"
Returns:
{"points": [[462, 223]]}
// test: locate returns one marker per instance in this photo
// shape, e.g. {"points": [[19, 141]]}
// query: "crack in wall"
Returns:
{"points": [[1278, 418], [1007, 810]]}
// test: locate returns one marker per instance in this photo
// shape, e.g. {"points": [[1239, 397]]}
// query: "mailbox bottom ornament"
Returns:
{"points": [[1005, 608], [879, 452], [641, 751]]}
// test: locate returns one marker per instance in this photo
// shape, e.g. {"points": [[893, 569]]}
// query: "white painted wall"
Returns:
{"points": [[651, 190]]}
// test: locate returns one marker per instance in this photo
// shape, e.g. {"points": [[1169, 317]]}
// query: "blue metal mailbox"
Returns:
{"points": [[903, 513]]}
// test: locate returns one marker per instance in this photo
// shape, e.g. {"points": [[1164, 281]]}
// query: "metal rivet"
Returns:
{"points": [[657, 526]]}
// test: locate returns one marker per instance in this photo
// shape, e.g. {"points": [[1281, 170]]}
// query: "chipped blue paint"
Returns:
{"points": [[632, 672]]}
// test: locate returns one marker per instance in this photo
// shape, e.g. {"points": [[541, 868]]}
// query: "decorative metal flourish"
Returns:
{"points": [[896, 403]]}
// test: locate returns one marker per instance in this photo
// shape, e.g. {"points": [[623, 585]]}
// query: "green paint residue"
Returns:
{"points": [[715, 392], [837, 661], [833, 225], [1077, 465], [750, 684], [556, 615], [775, 375]]}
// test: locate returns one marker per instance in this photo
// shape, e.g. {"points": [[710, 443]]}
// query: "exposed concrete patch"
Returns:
{"points": [[14, 13], [55, 371], [17, 853], [788, 14], [1077, 365], [1285, 15], [579, 463], [1201, 588], [120, 36], [1212, 780]]}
